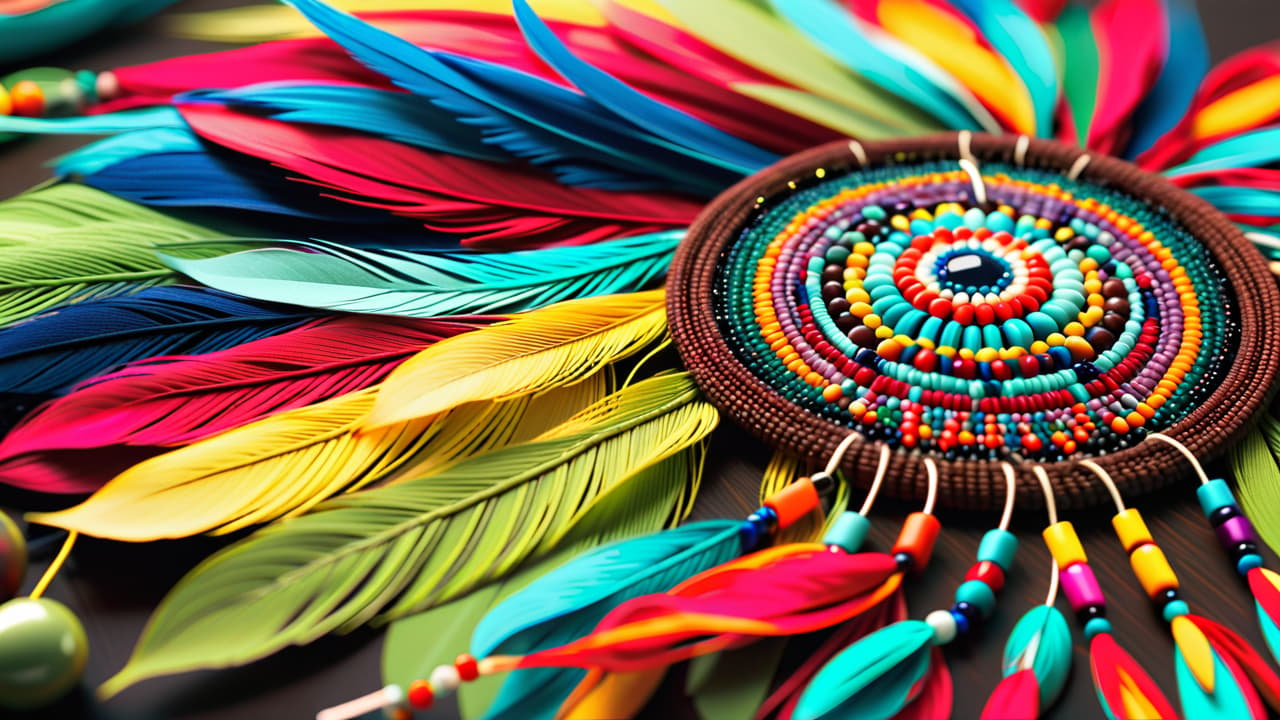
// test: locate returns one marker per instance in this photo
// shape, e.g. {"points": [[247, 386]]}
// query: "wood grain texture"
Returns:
{"points": [[113, 586]]}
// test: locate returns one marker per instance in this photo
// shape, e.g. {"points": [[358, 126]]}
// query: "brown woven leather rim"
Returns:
{"points": [[970, 484]]}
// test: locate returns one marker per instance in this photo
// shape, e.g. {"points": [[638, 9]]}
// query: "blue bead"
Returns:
{"points": [[848, 532], [1213, 495], [1096, 626], [962, 622], [998, 546], [1175, 609], [1249, 561], [977, 594], [748, 535]]}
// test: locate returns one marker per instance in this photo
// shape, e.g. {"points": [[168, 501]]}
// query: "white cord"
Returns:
{"points": [[881, 470], [975, 179], [1080, 164], [1010, 491], [1020, 150], [1051, 505], [931, 469], [1190, 456], [1110, 484], [859, 152]]}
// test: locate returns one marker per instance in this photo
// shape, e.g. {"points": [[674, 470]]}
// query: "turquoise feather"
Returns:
{"points": [[872, 679], [422, 284], [110, 151], [568, 602], [1270, 632], [1018, 38], [1044, 632], [1227, 702], [161, 116], [1255, 148]]}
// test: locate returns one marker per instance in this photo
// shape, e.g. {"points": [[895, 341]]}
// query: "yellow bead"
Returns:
{"points": [[1064, 544], [1074, 329], [1152, 569], [872, 321], [1131, 529], [986, 354], [1039, 347]]}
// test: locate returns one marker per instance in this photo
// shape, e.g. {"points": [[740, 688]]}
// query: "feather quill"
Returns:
{"points": [[528, 353], [395, 282], [177, 400], [53, 351], [394, 550]]}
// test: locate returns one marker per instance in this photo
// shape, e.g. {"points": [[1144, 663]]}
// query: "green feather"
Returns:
{"points": [[1043, 634], [1253, 464], [395, 550]]}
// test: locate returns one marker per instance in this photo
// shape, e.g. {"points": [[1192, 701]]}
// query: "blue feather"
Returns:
{"points": [[872, 679], [527, 116], [397, 116], [1019, 40], [1043, 631], [883, 60], [1226, 702], [397, 282], [104, 153], [57, 349], [710, 144], [1255, 148], [1168, 100], [567, 602], [161, 116]]}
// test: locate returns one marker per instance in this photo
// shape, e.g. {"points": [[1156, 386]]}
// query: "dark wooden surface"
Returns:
{"points": [[113, 586]]}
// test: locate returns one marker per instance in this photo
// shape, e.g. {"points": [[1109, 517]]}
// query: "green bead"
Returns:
{"points": [[43, 650], [998, 546], [13, 558], [979, 595]]}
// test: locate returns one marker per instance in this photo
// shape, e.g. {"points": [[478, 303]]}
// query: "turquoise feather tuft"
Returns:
{"points": [[567, 602], [1230, 699], [435, 284], [872, 679], [1044, 634]]}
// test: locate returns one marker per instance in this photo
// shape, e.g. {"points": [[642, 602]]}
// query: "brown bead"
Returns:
{"points": [[1114, 288], [1113, 322], [864, 336], [1116, 305]]}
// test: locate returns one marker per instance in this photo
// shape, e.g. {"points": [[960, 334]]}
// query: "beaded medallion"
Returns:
{"points": [[974, 299]]}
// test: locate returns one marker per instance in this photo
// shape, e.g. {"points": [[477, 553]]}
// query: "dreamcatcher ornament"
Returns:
{"points": [[961, 319]]}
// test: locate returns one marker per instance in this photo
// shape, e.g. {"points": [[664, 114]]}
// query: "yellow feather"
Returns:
{"points": [[284, 464], [276, 22], [1237, 111], [1196, 650], [529, 353], [612, 696], [1136, 705]]}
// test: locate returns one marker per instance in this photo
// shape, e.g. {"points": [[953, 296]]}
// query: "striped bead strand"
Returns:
{"points": [[1079, 584], [1149, 564], [975, 598], [1235, 533]]}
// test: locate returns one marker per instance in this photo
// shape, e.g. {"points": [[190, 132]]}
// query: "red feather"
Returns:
{"points": [[497, 204], [935, 697], [1017, 697], [783, 700], [1266, 593], [1044, 11], [1132, 46], [1238, 71], [780, 591], [170, 401], [1114, 669], [1247, 665]]}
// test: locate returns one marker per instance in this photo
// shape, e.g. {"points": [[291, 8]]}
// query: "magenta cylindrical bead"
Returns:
{"points": [[1081, 587], [1236, 530]]}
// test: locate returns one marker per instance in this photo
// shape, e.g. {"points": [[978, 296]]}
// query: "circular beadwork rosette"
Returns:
{"points": [[1030, 303]]}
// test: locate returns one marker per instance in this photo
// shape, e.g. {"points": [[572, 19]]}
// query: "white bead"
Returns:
{"points": [[944, 626], [962, 298], [444, 680], [394, 696]]}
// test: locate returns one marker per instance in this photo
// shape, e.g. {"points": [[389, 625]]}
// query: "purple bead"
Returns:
{"points": [[1081, 587], [1235, 531]]}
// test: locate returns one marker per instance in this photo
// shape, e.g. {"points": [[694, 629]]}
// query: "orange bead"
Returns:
{"points": [[918, 535], [832, 393], [793, 501], [27, 99]]}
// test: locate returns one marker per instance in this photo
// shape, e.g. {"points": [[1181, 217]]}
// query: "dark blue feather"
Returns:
{"points": [[710, 144], [1188, 61], [548, 125], [53, 351]]}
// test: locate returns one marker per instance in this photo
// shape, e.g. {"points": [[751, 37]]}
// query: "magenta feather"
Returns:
{"points": [[1017, 697], [171, 401]]}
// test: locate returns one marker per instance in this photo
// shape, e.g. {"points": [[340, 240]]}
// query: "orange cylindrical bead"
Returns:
{"points": [[1153, 570], [793, 501], [919, 533], [1131, 529], [1064, 544]]}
